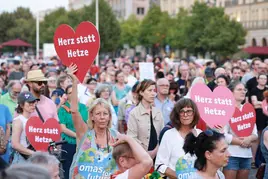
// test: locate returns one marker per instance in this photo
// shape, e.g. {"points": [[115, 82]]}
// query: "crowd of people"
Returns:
{"points": [[143, 126]]}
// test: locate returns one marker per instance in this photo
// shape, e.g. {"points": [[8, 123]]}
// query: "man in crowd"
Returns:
{"points": [[17, 74], [10, 99], [236, 73], [162, 100], [251, 83], [183, 77], [45, 108], [255, 64], [219, 71]]}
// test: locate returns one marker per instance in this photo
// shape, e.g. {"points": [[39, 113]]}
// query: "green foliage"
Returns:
{"points": [[109, 27], [19, 24], [210, 30], [130, 31], [7, 21], [154, 27], [50, 23]]}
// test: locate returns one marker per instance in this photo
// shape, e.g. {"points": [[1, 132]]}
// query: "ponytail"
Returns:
{"points": [[19, 109], [205, 141], [190, 143]]}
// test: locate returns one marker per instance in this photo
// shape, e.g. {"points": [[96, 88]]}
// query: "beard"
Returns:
{"points": [[39, 91]]}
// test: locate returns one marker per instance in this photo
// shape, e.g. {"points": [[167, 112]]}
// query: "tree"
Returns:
{"points": [[109, 27], [176, 32], [130, 31], [7, 21], [50, 23], [154, 28], [19, 24], [210, 30], [24, 26]]}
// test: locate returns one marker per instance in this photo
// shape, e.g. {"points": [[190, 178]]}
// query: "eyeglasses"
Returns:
{"points": [[15, 93], [188, 112], [40, 82], [93, 83], [208, 133], [164, 85]]}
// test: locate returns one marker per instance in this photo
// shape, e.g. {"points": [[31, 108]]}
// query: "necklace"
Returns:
{"points": [[99, 148]]}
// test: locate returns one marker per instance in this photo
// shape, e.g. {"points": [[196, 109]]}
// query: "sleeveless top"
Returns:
{"points": [[264, 151], [90, 161]]}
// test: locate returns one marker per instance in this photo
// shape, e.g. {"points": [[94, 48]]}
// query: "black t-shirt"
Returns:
{"points": [[182, 86], [212, 85], [252, 83], [258, 93]]}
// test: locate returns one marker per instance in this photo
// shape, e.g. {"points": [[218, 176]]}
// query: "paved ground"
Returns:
{"points": [[253, 174]]}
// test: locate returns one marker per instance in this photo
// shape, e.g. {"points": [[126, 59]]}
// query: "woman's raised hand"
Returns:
{"points": [[71, 70]]}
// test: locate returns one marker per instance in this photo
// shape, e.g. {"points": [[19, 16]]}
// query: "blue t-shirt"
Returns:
{"points": [[5, 118]]}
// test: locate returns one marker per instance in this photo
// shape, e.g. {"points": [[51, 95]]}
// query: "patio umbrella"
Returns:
{"points": [[16, 43]]}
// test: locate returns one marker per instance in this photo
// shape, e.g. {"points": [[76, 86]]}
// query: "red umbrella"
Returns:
{"points": [[16, 43]]}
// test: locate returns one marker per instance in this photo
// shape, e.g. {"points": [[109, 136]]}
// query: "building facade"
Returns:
{"points": [[253, 15], [122, 8], [173, 6], [77, 4]]}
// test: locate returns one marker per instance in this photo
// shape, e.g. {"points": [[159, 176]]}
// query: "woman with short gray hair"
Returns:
{"points": [[25, 171]]}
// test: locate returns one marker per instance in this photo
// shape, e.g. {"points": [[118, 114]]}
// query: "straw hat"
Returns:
{"points": [[36, 75]]}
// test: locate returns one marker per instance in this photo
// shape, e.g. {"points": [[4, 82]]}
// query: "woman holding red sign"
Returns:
{"points": [[93, 158], [239, 164], [26, 106]]}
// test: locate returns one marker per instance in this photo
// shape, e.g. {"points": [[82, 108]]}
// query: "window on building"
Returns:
{"points": [[264, 42], [140, 10], [254, 43]]}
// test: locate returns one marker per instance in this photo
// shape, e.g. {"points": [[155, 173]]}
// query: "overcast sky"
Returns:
{"points": [[34, 5]]}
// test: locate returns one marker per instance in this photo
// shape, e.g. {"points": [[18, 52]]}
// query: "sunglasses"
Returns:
{"points": [[40, 82]]}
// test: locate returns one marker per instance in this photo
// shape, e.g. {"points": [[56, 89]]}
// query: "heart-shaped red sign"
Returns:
{"points": [[79, 47], [243, 122], [215, 108], [40, 134]]}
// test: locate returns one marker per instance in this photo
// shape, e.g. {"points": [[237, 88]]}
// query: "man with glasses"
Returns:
{"points": [[10, 99], [36, 82], [161, 100]]}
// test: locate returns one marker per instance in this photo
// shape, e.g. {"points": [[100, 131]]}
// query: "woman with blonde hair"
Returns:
{"points": [[93, 139]]}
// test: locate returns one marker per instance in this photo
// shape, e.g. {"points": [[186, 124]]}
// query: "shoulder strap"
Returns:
{"points": [[39, 114], [66, 108]]}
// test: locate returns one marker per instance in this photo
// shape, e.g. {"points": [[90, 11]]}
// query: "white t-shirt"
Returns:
{"points": [[122, 175], [197, 176], [23, 141], [170, 150], [235, 150]]}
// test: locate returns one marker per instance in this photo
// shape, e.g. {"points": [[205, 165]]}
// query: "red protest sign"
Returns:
{"points": [[242, 122], [40, 134], [79, 47], [215, 108]]}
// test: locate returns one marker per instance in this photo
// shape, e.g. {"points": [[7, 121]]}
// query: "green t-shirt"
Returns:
{"points": [[6, 100], [66, 119]]}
